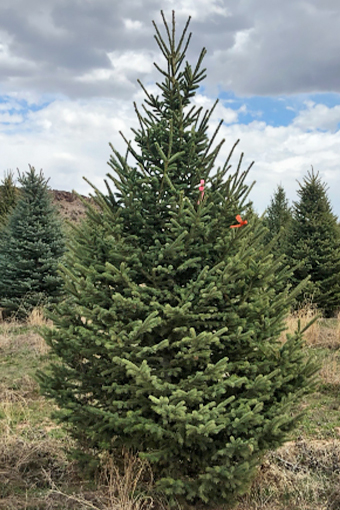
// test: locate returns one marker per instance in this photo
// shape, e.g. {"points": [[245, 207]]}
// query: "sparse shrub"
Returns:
{"points": [[168, 342]]}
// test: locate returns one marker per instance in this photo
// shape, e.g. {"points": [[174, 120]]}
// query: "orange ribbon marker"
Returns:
{"points": [[241, 222], [201, 188]]}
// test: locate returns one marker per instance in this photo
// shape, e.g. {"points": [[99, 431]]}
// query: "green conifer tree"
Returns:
{"points": [[314, 245], [277, 219], [168, 341], [8, 197], [31, 248]]}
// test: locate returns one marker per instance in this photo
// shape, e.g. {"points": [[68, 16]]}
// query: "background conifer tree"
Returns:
{"points": [[277, 219], [31, 248], [314, 244], [168, 341], [8, 197]]}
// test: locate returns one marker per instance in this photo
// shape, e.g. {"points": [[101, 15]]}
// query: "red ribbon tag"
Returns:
{"points": [[241, 222], [201, 188]]}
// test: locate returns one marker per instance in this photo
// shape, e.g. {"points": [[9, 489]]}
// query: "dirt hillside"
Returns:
{"points": [[69, 204]]}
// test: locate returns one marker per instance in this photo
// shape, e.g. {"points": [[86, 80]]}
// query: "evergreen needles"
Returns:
{"points": [[8, 197], [31, 247], [167, 343], [313, 245], [277, 219]]}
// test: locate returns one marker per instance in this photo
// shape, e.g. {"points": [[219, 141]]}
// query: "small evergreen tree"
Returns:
{"points": [[31, 248], [314, 245], [168, 340], [277, 219], [8, 197]]}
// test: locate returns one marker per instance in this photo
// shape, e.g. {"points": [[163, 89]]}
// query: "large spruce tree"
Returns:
{"points": [[314, 245], [168, 342], [32, 244]]}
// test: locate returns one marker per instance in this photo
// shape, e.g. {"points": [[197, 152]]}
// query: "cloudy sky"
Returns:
{"points": [[69, 70]]}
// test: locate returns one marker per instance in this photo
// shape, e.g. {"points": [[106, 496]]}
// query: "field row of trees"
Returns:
{"points": [[306, 235], [169, 303]]}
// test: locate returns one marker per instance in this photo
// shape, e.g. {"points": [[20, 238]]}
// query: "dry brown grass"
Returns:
{"points": [[319, 334], [122, 483], [303, 317], [118, 487], [330, 372], [12, 344], [26, 454], [7, 327], [299, 476], [13, 341], [37, 318]]}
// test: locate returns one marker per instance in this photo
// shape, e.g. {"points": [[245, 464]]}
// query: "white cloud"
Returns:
{"points": [[318, 116], [124, 68], [284, 155], [242, 42], [220, 112], [8, 118], [131, 60], [69, 139], [200, 9], [132, 24]]}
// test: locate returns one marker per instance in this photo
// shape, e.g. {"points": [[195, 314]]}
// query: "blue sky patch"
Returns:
{"points": [[274, 111], [15, 106]]}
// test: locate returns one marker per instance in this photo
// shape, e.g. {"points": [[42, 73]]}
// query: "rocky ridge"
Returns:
{"points": [[70, 204]]}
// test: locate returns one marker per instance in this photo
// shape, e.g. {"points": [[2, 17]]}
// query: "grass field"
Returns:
{"points": [[36, 473]]}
